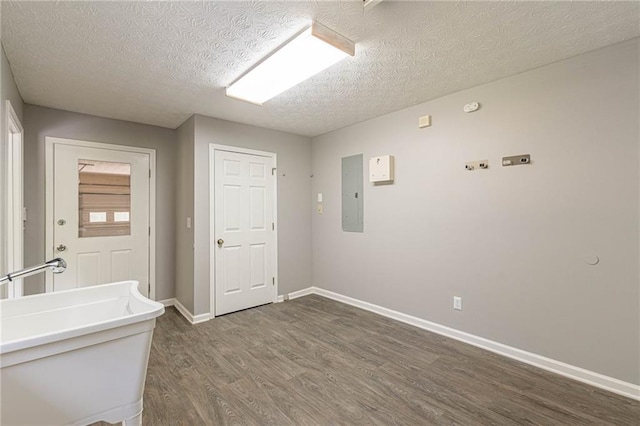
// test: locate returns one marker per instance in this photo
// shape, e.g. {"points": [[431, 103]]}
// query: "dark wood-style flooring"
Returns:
{"points": [[313, 361]]}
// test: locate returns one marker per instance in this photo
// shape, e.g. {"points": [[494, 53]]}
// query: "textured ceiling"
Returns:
{"points": [[158, 63]]}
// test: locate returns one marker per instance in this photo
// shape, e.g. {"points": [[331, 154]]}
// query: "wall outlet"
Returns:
{"points": [[516, 160], [476, 165], [457, 303]]}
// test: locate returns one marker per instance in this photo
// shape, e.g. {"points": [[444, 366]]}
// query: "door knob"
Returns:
{"points": [[220, 242], [61, 247]]}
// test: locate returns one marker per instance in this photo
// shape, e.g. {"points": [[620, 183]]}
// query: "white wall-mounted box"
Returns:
{"points": [[381, 169]]}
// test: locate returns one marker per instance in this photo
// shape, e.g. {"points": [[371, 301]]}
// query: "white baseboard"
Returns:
{"points": [[300, 293], [193, 319], [598, 380]]}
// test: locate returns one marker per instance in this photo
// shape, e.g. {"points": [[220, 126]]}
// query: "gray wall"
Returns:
{"points": [[40, 122], [510, 240], [8, 91], [184, 210], [294, 187]]}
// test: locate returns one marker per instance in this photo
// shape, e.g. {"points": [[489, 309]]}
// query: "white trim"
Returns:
{"points": [[49, 243], [197, 319], [297, 294], [238, 150], [152, 224], [212, 249], [168, 302], [592, 378], [13, 214]]}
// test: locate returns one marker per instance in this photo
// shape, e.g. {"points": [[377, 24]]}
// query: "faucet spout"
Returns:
{"points": [[57, 266]]}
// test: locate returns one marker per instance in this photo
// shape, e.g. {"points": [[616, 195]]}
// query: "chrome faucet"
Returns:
{"points": [[57, 266]]}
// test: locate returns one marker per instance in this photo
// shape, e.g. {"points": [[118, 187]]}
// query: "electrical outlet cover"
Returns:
{"points": [[477, 165], [516, 160], [457, 303]]}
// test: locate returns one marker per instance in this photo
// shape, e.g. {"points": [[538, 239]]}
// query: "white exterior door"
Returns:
{"points": [[245, 257], [100, 216]]}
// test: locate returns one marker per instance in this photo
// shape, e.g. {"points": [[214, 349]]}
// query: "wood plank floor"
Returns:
{"points": [[313, 361]]}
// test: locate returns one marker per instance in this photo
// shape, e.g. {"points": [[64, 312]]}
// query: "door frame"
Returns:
{"points": [[212, 216], [50, 142], [14, 193]]}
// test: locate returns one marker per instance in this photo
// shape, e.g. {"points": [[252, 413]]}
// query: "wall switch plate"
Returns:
{"points": [[475, 165], [516, 160], [319, 197], [319, 208], [188, 222], [457, 303]]}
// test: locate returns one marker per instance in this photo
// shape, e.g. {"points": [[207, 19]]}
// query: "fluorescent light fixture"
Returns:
{"points": [[370, 4], [312, 50]]}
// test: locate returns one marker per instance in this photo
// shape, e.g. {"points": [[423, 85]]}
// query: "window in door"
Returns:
{"points": [[104, 198]]}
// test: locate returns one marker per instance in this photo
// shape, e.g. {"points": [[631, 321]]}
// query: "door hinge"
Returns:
{"points": [[273, 171], [149, 230], [273, 281], [273, 226], [149, 292], [149, 173]]}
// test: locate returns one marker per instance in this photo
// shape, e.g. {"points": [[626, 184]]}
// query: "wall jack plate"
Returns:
{"points": [[475, 165], [516, 160]]}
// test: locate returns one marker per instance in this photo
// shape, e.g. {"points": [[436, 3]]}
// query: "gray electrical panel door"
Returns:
{"points": [[352, 197]]}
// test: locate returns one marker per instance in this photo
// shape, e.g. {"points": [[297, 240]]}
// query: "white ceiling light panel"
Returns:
{"points": [[311, 51]]}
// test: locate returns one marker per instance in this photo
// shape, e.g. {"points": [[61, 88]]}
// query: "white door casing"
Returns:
{"points": [[93, 260], [14, 207], [243, 231]]}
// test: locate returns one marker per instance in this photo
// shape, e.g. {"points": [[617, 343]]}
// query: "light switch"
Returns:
{"points": [[319, 208], [188, 223], [319, 197], [457, 303]]}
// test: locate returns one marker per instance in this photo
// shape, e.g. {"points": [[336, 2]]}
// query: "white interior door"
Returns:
{"points": [[101, 222], [245, 257]]}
